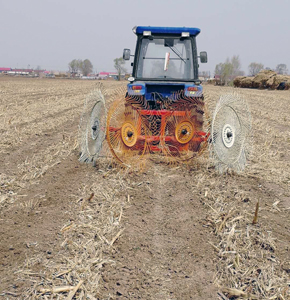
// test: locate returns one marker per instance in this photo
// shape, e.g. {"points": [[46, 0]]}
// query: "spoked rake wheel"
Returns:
{"points": [[96, 129], [124, 131], [92, 127], [182, 135], [231, 133]]}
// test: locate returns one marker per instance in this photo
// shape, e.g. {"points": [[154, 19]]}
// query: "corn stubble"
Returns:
{"points": [[247, 258]]}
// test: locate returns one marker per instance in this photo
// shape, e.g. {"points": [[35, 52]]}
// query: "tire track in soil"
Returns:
{"points": [[164, 252]]}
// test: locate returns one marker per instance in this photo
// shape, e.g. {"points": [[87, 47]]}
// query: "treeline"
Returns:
{"points": [[255, 68], [77, 66], [227, 71]]}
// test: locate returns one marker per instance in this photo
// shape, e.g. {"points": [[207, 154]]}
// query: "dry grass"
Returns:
{"points": [[37, 164], [247, 262], [247, 259], [30, 110], [88, 242], [8, 189], [246, 254]]}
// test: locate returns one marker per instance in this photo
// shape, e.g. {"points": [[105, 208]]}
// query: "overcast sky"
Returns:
{"points": [[50, 33]]}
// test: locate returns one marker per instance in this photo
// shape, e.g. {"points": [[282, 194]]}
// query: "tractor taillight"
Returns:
{"points": [[192, 88], [137, 87]]}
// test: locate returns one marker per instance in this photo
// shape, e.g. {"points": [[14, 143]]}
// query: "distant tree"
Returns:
{"points": [[79, 64], [255, 68], [74, 66], [86, 67], [119, 66], [204, 74], [228, 70], [236, 66], [218, 69], [38, 70], [281, 69]]}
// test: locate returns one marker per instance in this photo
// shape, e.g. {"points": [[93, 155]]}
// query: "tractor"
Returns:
{"points": [[160, 114]]}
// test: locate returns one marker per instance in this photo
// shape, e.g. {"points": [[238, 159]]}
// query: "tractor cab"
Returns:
{"points": [[165, 62]]}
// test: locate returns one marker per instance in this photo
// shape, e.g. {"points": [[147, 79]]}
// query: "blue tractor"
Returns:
{"points": [[165, 62], [161, 112]]}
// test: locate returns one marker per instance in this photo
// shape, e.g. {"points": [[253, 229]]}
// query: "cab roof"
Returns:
{"points": [[139, 30]]}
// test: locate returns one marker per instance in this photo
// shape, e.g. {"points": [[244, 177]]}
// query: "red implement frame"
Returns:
{"points": [[199, 136]]}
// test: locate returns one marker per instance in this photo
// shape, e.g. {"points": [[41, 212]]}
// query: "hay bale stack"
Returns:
{"points": [[260, 80], [266, 79], [247, 82], [275, 81], [271, 83], [237, 81]]}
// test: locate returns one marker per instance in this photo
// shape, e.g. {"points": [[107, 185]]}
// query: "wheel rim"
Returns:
{"points": [[124, 124], [129, 134], [184, 132], [228, 135], [227, 149], [96, 129]]}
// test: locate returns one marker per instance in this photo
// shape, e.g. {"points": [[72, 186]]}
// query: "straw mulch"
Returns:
{"points": [[246, 263], [88, 242]]}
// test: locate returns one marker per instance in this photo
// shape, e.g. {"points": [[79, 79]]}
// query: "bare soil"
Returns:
{"points": [[169, 232]]}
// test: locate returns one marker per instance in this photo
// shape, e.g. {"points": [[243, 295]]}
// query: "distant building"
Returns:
{"points": [[5, 70], [20, 71], [105, 75], [25, 72]]}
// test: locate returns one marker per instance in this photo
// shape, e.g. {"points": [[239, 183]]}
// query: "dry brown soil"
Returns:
{"points": [[141, 235]]}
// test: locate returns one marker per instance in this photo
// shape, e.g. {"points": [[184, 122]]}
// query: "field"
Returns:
{"points": [[72, 231]]}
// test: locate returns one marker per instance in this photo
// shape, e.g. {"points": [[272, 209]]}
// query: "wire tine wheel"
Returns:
{"points": [[92, 128], [231, 133], [181, 140], [124, 133], [176, 132]]}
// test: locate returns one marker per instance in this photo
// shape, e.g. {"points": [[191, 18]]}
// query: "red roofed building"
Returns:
{"points": [[4, 70], [104, 75]]}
